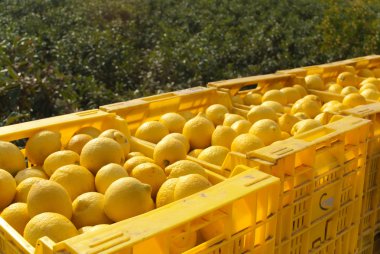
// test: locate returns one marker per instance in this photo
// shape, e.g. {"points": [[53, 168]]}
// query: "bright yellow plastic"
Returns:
{"points": [[238, 216], [321, 198]]}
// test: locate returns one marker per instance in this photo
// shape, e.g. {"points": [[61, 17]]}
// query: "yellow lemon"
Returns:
{"points": [[182, 240], [353, 100], [376, 72], [301, 90], [284, 135], [301, 115], [216, 113], [130, 164], [223, 136], [89, 130], [133, 154], [346, 79], [365, 73], [107, 175], [349, 68], [173, 122], [184, 167], [241, 126], [267, 130], [99, 152], [29, 172], [41, 145], [180, 137], [371, 80], [335, 88], [88, 210], [198, 131], [237, 99], [260, 112], [370, 94], [305, 125], [314, 81], [230, 119], [17, 216], [48, 196], [187, 115], [286, 122], [195, 153], [53, 225], [368, 86], [7, 188], [310, 107], [252, 99], [323, 118], [168, 151], [314, 98], [77, 142], [126, 198], [277, 107], [333, 107], [348, 89], [11, 158], [265, 87], [152, 131], [22, 190], [119, 137], [214, 154], [59, 159], [335, 118], [165, 194], [291, 93], [245, 143], [75, 179], [92, 228], [150, 173], [275, 95]]}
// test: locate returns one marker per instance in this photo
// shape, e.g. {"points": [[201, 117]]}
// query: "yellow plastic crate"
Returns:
{"points": [[244, 209]]}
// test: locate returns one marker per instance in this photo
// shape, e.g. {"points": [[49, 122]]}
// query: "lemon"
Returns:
{"points": [[216, 113], [314, 98], [376, 72], [349, 68], [277, 107], [335, 88], [130, 164], [152, 131], [310, 107], [99, 152], [107, 175], [237, 99], [301, 90], [133, 154], [88, 210], [75, 179], [346, 79], [252, 99], [41, 145], [17, 216], [180, 137], [241, 126], [230, 119], [260, 112], [323, 118], [173, 122], [184, 167], [368, 86], [182, 240], [92, 228], [286, 122], [314, 81], [348, 89], [22, 190], [119, 137], [77, 142], [365, 73], [335, 118], [214, 154], [127, 197], [11, 158], [29, 172], [353, 100], [370, 94], [195, 153], [176, 188], [305, 125], [48, 196], [150, 173], [291, 94], [267, 130], [284, 135], [198, 131], [59, 159], [275, 95], [53, 225], [223, 136], [89, 130], [265, 87], [7, 188], [371, 80], [187, 115], [168, 151], [301, 115], [245, 143]]}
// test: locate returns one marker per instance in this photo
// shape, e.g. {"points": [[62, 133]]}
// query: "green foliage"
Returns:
{"points": [[59, 56]]}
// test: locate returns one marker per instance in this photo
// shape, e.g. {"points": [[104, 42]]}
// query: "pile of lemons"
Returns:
{"points": [[92, 181]]}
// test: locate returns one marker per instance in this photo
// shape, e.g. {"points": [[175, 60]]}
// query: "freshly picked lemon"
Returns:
{"points": [[223, 136], [260, 112], [173, 122], [17, 216], [59, 159], [7, 188], [107, 175], [198, 131], [150, 173], [305, 125], [314, 81], [184, 167], [11, 158], [152, 131], [216, 113], [267, 130], [214, 154], [245, 143], [275, 95], [119, 137], [41, 145]]}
